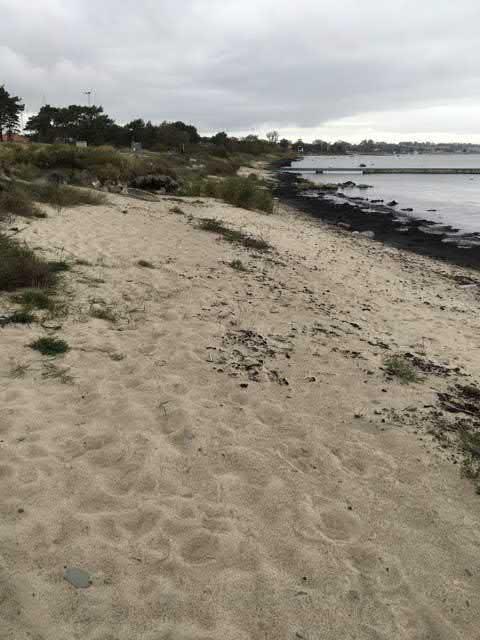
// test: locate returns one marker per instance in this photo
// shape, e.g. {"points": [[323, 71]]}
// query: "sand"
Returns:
{"points": [[221, 459]]}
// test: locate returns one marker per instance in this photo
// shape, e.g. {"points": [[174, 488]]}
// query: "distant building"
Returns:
{"points": [[81, 143]]}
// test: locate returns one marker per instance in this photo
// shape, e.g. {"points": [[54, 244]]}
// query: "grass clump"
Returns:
{"points": [[34, 299], [16, 201], [20, 267], [232, 235], [63, 196], [21, 316], [399, 367], [50, 346], [57, 266], [238, 265]]}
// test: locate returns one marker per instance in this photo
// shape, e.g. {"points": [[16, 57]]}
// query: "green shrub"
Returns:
{"points": [[34, 299], [17, 317], [108, 173], [50, 346], [56, 266], [16, 201], [211, 188], [193, 188], [399, 367], [104, 163], [20, 267], [60, 196], [247, 193], [27, 171], [238, 265], [219, 167]]}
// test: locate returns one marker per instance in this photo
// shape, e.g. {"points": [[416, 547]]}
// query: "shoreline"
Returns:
{"points": [[384, 224]]}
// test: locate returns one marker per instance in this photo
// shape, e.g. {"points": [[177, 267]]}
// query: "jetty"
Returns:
{"points": [[385, 170]]}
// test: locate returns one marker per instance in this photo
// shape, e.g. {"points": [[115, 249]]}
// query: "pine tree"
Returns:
{"points": [[10, 110]]}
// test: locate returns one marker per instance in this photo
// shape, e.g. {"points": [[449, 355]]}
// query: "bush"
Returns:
{"points": [[27, 171], [104, 163], [50, 346], [218, 167], [400, 367], [56, 266], [108, 173], [60, 196], [19, 267], [17, 317], [193, 188], [16, 201], [34, 299], [238, 265], [247, 193]]}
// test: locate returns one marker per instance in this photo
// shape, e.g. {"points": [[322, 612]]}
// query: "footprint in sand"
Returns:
{"points": [[330, 523], [381, 571], [201, 548]]}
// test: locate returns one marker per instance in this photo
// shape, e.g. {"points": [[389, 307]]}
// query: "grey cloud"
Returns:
{"points": [[236, 65]]}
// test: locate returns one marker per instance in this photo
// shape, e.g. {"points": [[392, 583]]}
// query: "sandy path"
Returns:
{"points": [[205, 509]]}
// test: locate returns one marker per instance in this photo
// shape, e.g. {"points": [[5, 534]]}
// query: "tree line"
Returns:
{"points": [[91, 124]]}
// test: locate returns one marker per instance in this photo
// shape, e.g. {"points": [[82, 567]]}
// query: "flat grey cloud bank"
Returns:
{"points": [[251, 64]]}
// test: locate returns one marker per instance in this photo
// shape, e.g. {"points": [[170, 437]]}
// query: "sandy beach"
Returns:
{"points": [[226, 457]]}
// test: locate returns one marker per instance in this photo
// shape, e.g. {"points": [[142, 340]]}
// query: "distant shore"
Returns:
{"points": [[384, 224]]}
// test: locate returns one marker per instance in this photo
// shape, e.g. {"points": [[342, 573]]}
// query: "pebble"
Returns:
{"points": [[77, 577]]}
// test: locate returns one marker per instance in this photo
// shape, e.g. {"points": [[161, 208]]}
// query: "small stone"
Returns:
{"points": [[78, 578], [21, 510], [244, 385]]}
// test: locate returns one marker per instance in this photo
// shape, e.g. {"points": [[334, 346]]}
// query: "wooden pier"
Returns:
{"points": [[385, 170]]}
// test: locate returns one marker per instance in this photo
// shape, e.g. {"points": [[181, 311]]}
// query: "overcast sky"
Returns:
{"points": [[327, 69]]}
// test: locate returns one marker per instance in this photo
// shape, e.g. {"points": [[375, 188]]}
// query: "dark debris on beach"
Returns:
{"points": [[385, 224]]}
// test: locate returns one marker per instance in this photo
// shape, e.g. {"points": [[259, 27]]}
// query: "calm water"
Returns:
{"points": [[456, 198]]}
